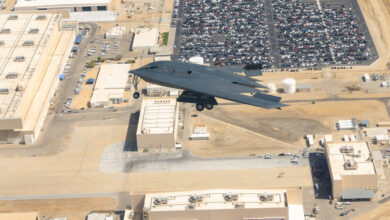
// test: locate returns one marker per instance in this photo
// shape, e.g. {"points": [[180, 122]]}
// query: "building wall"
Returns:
{"points": [[337, 189], [155, 141], [359, 181], [225, 214]]}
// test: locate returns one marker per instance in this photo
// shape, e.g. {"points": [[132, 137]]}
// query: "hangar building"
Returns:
{"points": [[230, 204], [157, 125], [352, 170], [34, 50], [71, 5]]}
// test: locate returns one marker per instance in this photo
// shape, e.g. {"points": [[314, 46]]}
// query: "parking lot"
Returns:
{"points": [[79, 77], [279, 33]]}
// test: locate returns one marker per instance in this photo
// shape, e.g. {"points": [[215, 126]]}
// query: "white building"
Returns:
{"points": [[71, 5], [226, 204], [352, 170], [157, 125], [110, 85], [115, 32], [157, 90], [34, 51], [145, 39]]}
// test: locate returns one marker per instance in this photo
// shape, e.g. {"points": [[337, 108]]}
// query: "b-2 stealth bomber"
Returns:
{"points": [[201, 84]]}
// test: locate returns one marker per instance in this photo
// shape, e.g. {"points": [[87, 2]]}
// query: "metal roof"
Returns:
{"points": [[358, 194]]}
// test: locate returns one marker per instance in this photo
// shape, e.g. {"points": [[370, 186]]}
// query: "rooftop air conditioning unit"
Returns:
{"points": [[19, 59], [239, 206], [190, 206], [195, 198], [41, 17], [350, 165], [2, 43], [28, 43], [230, 197], [11, 75], [12, 17], [346, 149], [4, 91], [5, 31], [33, 31], [266, 197], [160, 200]]}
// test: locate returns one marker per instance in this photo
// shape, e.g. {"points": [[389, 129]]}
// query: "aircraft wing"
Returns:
{"points": [[233, 92]]}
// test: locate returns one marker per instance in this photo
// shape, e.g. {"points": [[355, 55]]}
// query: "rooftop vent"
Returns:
{"points": [[5, 31], [12, 17], [160, 200], [230, 197], [4, 91], [11, 75], [195, 198], [239, 206], [264, 197], [190, 206], [33, 31], [19, 59], [41, 17], [28, 43], [346, 149], [350, 165]]}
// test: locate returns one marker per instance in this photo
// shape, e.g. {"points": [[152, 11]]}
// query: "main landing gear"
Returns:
{"points": [[200, 107], [136, 95]]}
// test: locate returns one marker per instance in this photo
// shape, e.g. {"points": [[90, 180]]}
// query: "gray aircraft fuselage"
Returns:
{"points": [[180, 75]]}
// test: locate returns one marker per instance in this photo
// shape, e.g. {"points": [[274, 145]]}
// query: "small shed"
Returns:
{"points": [[364, 123]]}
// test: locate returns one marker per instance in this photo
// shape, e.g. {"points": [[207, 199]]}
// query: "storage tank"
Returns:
{"points": [[289, 85], [197, 60], [271, 87]]}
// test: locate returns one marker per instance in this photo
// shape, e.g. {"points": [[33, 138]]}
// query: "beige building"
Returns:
{"points": [[34, 50], [226, 204], [71, 5], [352, 170], [19, 216], [157, 125], [110, 85], [145, 39]]}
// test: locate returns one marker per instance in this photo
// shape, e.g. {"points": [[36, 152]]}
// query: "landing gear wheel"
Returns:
{"points": [[209, 106], [136, 95], [199, 107]]}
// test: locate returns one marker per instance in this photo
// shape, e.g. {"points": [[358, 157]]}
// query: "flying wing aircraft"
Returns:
{"points": [[201, 84]]}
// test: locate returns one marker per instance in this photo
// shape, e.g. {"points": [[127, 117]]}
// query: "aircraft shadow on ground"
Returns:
{"points": [[131, 140]]}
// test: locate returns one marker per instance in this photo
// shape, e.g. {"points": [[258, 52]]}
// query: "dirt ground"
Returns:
{"points": [[238, 130], [72, 209], [380, 213]]}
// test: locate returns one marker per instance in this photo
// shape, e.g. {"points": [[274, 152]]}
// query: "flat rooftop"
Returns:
{"points": [[145, 38], [59, 3], [359, 153], [24, 42], [215, 199], [159, 116]]}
